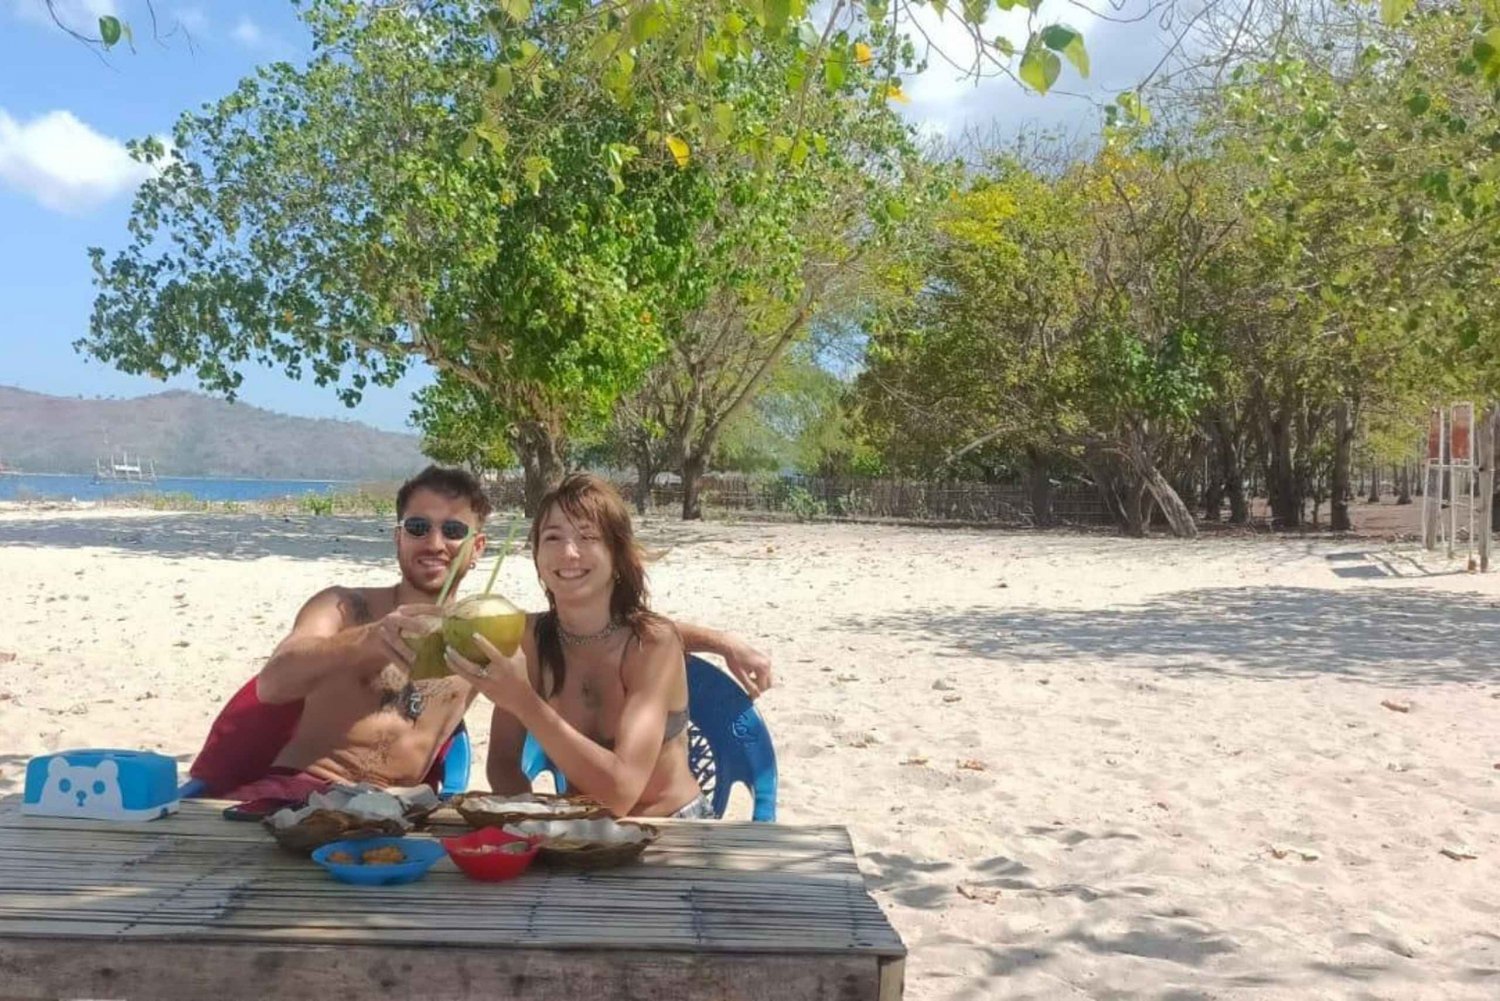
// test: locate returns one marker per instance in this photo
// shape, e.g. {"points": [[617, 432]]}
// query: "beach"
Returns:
{"points": [[1073, 765]]}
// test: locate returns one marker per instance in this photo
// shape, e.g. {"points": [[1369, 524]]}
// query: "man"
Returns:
{"points": [[363, 718]]}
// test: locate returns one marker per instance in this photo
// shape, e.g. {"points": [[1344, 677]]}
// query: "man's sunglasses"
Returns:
{"points": [[453, 530]]}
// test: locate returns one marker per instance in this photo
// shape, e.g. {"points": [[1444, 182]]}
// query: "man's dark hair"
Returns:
{"points": [[456, 483]]}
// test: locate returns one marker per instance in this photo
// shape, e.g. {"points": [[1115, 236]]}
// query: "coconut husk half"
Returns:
{"points": [[596, 843], [488, 809]]}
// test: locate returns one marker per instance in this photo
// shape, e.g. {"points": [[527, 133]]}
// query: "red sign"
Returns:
{"points": [[1461, 433]]}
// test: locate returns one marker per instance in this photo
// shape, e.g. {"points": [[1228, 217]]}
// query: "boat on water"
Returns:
{"points": [[123, 470]]}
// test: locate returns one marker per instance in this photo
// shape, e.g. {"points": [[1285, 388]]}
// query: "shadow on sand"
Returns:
{"points": [[1387, 635]]}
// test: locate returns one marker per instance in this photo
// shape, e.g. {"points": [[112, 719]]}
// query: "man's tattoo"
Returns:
{"points": [[358, 607], [400, 694]]}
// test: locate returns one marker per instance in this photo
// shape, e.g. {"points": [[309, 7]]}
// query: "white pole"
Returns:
{"points": [[1469, 484], [1445, 482]]}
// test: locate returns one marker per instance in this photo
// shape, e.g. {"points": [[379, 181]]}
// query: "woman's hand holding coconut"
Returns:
{"points": [[502, 679]]}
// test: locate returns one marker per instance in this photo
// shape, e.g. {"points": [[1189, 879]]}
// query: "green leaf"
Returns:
{"points": [[617, 77], [724, 120], [777, 12], [1039, 68], [604, 46], [536, 168], [517, 10], [1068, 41], [941, 6], [109, 29], [1392, 12], [1005, 47], [1058, 37], [645, 24], [502, 79], [494, 135], [1130, 104], [707, 64], [834, 68], [1487, 54]]}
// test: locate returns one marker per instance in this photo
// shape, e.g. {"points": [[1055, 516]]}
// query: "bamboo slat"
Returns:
{"points": [[210, 887]]}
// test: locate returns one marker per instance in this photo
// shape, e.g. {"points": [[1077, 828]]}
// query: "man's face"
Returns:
{"points": [[424, 549]]}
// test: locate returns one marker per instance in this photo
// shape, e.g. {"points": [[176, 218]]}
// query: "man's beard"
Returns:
{"points": [[429, 591]]}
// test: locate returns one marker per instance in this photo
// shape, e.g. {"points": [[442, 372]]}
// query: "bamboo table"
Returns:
{"points": [[194, 906]]}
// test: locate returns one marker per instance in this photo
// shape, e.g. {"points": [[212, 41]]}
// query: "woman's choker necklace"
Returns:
{"points": [[577, 639]]}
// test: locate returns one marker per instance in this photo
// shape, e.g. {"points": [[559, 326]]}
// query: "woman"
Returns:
{"points": [[599, 679]]}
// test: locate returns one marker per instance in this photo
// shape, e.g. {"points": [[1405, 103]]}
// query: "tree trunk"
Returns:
{"points": [[1104, 470], [693, 466], [1374, 497], [1179, 518], [645, 475], [1213, 498], [541, 461], [1231, 456], [1135, 511], [1402, 474], [1343, 446], [1039, 487], [1281, 477]]}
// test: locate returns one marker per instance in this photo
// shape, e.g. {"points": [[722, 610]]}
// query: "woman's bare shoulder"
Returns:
{"points": [[654, 648], [656, 633]]}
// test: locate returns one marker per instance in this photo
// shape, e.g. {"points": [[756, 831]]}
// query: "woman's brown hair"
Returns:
{"points": [[587, 499]]}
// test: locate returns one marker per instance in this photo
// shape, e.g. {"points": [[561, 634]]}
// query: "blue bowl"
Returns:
{"points": [[420, 856]]}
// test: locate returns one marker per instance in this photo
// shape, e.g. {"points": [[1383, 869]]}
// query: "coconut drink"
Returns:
{"points": [[487, 615], [428, 647]]}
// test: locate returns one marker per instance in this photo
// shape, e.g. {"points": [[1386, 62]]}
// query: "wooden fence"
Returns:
{"points": [[852, 499]]}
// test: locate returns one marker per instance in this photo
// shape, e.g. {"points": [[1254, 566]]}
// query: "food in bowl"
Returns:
{"points": [[384, 855], [509, 848]]}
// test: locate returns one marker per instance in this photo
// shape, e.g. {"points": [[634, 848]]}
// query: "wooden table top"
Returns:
{"points": [[742, 888]]}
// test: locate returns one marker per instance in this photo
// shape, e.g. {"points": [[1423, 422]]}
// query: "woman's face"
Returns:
{"points": [[572, 558]]}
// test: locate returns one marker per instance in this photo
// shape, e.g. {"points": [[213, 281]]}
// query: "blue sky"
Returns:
{"points": [[65, 180]]}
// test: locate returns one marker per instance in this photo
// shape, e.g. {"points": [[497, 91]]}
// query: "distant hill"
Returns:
{"points": [[188, 434]]}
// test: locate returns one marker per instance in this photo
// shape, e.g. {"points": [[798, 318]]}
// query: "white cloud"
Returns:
{"points": [[193, 20], [80, 15], [64, 164], [248, 33]]}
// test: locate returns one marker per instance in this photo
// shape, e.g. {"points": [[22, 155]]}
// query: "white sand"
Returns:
{"points": [[1147, 725]]}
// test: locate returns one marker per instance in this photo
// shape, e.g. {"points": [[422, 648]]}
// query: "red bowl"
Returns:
{"points": [[483, 854]]}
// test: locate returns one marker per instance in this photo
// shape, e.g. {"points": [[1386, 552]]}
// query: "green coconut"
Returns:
{"points": [[487, 615], [428, 646]]}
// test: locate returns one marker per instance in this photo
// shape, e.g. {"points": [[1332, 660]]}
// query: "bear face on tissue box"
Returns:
{"points": [[101, 785]]}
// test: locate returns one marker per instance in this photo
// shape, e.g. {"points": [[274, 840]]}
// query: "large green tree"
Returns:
{"points": [[339, 221]]}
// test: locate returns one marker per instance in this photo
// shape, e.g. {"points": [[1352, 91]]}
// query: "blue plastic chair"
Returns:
{"points": [[456, 764], [728, 742]]}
